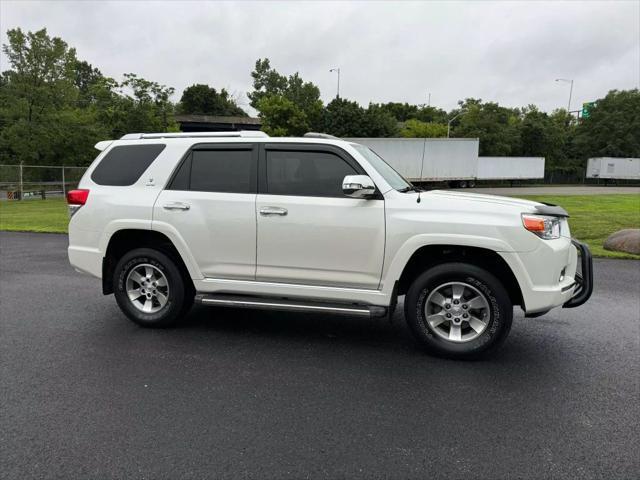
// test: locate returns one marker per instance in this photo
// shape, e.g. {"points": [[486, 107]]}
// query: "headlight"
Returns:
{"points": [[544, 226]]}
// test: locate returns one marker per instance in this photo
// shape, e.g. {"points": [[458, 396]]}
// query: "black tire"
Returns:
{"points": [[179, 295], [497, 299]]}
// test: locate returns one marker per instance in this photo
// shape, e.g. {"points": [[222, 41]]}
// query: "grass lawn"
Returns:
{"points": [[593, 217], [34, 215]]}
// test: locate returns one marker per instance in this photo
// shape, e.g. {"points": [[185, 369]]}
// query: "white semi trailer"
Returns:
{"points": [[451, 160], [510, 168], [445, 159], [611, 168]]}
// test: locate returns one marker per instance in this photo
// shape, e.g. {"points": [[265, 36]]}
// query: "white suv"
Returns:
{"points": [[314, 224]]}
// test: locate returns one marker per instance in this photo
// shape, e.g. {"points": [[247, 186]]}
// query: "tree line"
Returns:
{"points": [[54, 107]]}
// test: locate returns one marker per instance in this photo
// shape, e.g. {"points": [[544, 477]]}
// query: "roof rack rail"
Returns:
{"points": [[320, 135], [238, 133]]}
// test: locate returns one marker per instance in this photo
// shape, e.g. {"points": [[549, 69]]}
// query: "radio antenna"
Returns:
{"points": [[424, 148]]}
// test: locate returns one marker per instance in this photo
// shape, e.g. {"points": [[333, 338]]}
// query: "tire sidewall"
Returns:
{"points": [[169, 313], [500, 307]]}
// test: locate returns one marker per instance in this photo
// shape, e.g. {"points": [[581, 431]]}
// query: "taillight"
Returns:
{"points": [[76, 199]]}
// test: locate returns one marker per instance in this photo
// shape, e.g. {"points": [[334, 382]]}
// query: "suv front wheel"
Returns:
{"points": [[458, 310], [150, 288]]}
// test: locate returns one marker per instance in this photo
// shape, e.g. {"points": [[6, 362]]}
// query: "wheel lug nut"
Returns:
{"points": [[456, 302], [448, 315], [447, 306], [465, 306], [465, 315]]}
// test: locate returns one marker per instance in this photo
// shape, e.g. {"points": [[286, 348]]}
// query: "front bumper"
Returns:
{"points": [[584, 279]]}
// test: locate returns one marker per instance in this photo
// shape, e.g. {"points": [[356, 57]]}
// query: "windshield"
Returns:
{"points": [[393, 178]]}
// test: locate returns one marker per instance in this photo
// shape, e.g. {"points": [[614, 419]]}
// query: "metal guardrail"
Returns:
{"points": [[19, 181]]}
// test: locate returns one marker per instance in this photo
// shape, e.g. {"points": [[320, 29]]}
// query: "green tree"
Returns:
{"points": [[85, 77], [379, 123], [202, 99], [400, 111], [272, 89], [431, 114], [344, 118], [612, 128], [54, 107], [40, 119], [405, 111], [281, 117], [416, 129], [498, 128]]}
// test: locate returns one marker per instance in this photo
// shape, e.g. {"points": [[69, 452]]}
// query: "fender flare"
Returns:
{"points": [[393, 272]]}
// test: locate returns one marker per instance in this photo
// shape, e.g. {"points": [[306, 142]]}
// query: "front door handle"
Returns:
{"points": [[176, 206], [267, 211]]}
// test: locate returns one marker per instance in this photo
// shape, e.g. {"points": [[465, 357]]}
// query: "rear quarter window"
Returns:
{"points": [[123, 165]]}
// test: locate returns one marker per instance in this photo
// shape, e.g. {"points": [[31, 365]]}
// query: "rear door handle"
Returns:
{"points": [[267, 211], [176, 206]]}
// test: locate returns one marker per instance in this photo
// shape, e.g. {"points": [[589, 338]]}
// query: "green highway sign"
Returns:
{"points": [[586, 109]]}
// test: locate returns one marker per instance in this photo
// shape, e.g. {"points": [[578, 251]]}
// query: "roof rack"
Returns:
{"points": [[240, 133], [320, 135]]}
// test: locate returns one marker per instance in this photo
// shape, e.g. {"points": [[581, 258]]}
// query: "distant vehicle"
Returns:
{"points": [[454, 161], [314, 224], [613, 168]]}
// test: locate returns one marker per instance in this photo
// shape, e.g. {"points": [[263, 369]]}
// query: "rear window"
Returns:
{"points": [[219, 170], [123, 165]]}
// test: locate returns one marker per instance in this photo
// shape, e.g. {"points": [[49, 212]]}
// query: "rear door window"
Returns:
{"points": [[232, 170], [123, 165], [306, 173]]}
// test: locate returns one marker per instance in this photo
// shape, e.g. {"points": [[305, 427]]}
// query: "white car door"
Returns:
{"points": [[309, 232], [211, 203]]}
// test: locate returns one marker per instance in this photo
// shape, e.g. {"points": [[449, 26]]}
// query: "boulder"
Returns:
{"points": [[627, 240]]}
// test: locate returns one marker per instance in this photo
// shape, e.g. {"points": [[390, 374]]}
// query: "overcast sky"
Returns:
{"points": [[509, 52]]}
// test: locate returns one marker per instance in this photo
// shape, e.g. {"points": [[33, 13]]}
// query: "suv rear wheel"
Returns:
{"points": [[150, 288], [458, 310]]}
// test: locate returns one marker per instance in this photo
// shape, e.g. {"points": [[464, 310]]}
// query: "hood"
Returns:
{"points": [[479, 197]]}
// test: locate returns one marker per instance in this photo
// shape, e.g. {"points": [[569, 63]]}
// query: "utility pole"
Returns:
{"points": [[338, 71], [429, 100], [570, 81]]}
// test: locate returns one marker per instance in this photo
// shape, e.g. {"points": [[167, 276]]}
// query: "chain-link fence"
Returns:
{"points": [[22, 182]]}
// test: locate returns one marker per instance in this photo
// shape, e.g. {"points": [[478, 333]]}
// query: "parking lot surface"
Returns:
{"points": [[248, 394]]}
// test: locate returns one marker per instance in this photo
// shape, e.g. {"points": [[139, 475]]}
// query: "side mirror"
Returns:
{"points": [[358, 186]]}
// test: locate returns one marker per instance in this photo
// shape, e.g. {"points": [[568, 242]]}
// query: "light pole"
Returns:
{"points": [[570, 81], [337, 70], [449, 122]]}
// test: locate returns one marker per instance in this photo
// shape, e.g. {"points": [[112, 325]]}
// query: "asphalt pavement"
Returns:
{"points": [[249, 394]]}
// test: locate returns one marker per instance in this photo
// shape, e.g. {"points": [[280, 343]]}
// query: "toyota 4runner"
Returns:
{"points": [[314, 224]]}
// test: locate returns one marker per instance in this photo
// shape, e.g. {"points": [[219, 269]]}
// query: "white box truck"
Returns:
{"points": [[612, 168]]}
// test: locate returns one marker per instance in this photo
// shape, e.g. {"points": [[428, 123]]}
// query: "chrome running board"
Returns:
{"points": [[274, 303]]}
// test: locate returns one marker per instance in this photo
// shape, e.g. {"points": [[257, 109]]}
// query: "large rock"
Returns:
{"points": [[627, 240]]}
